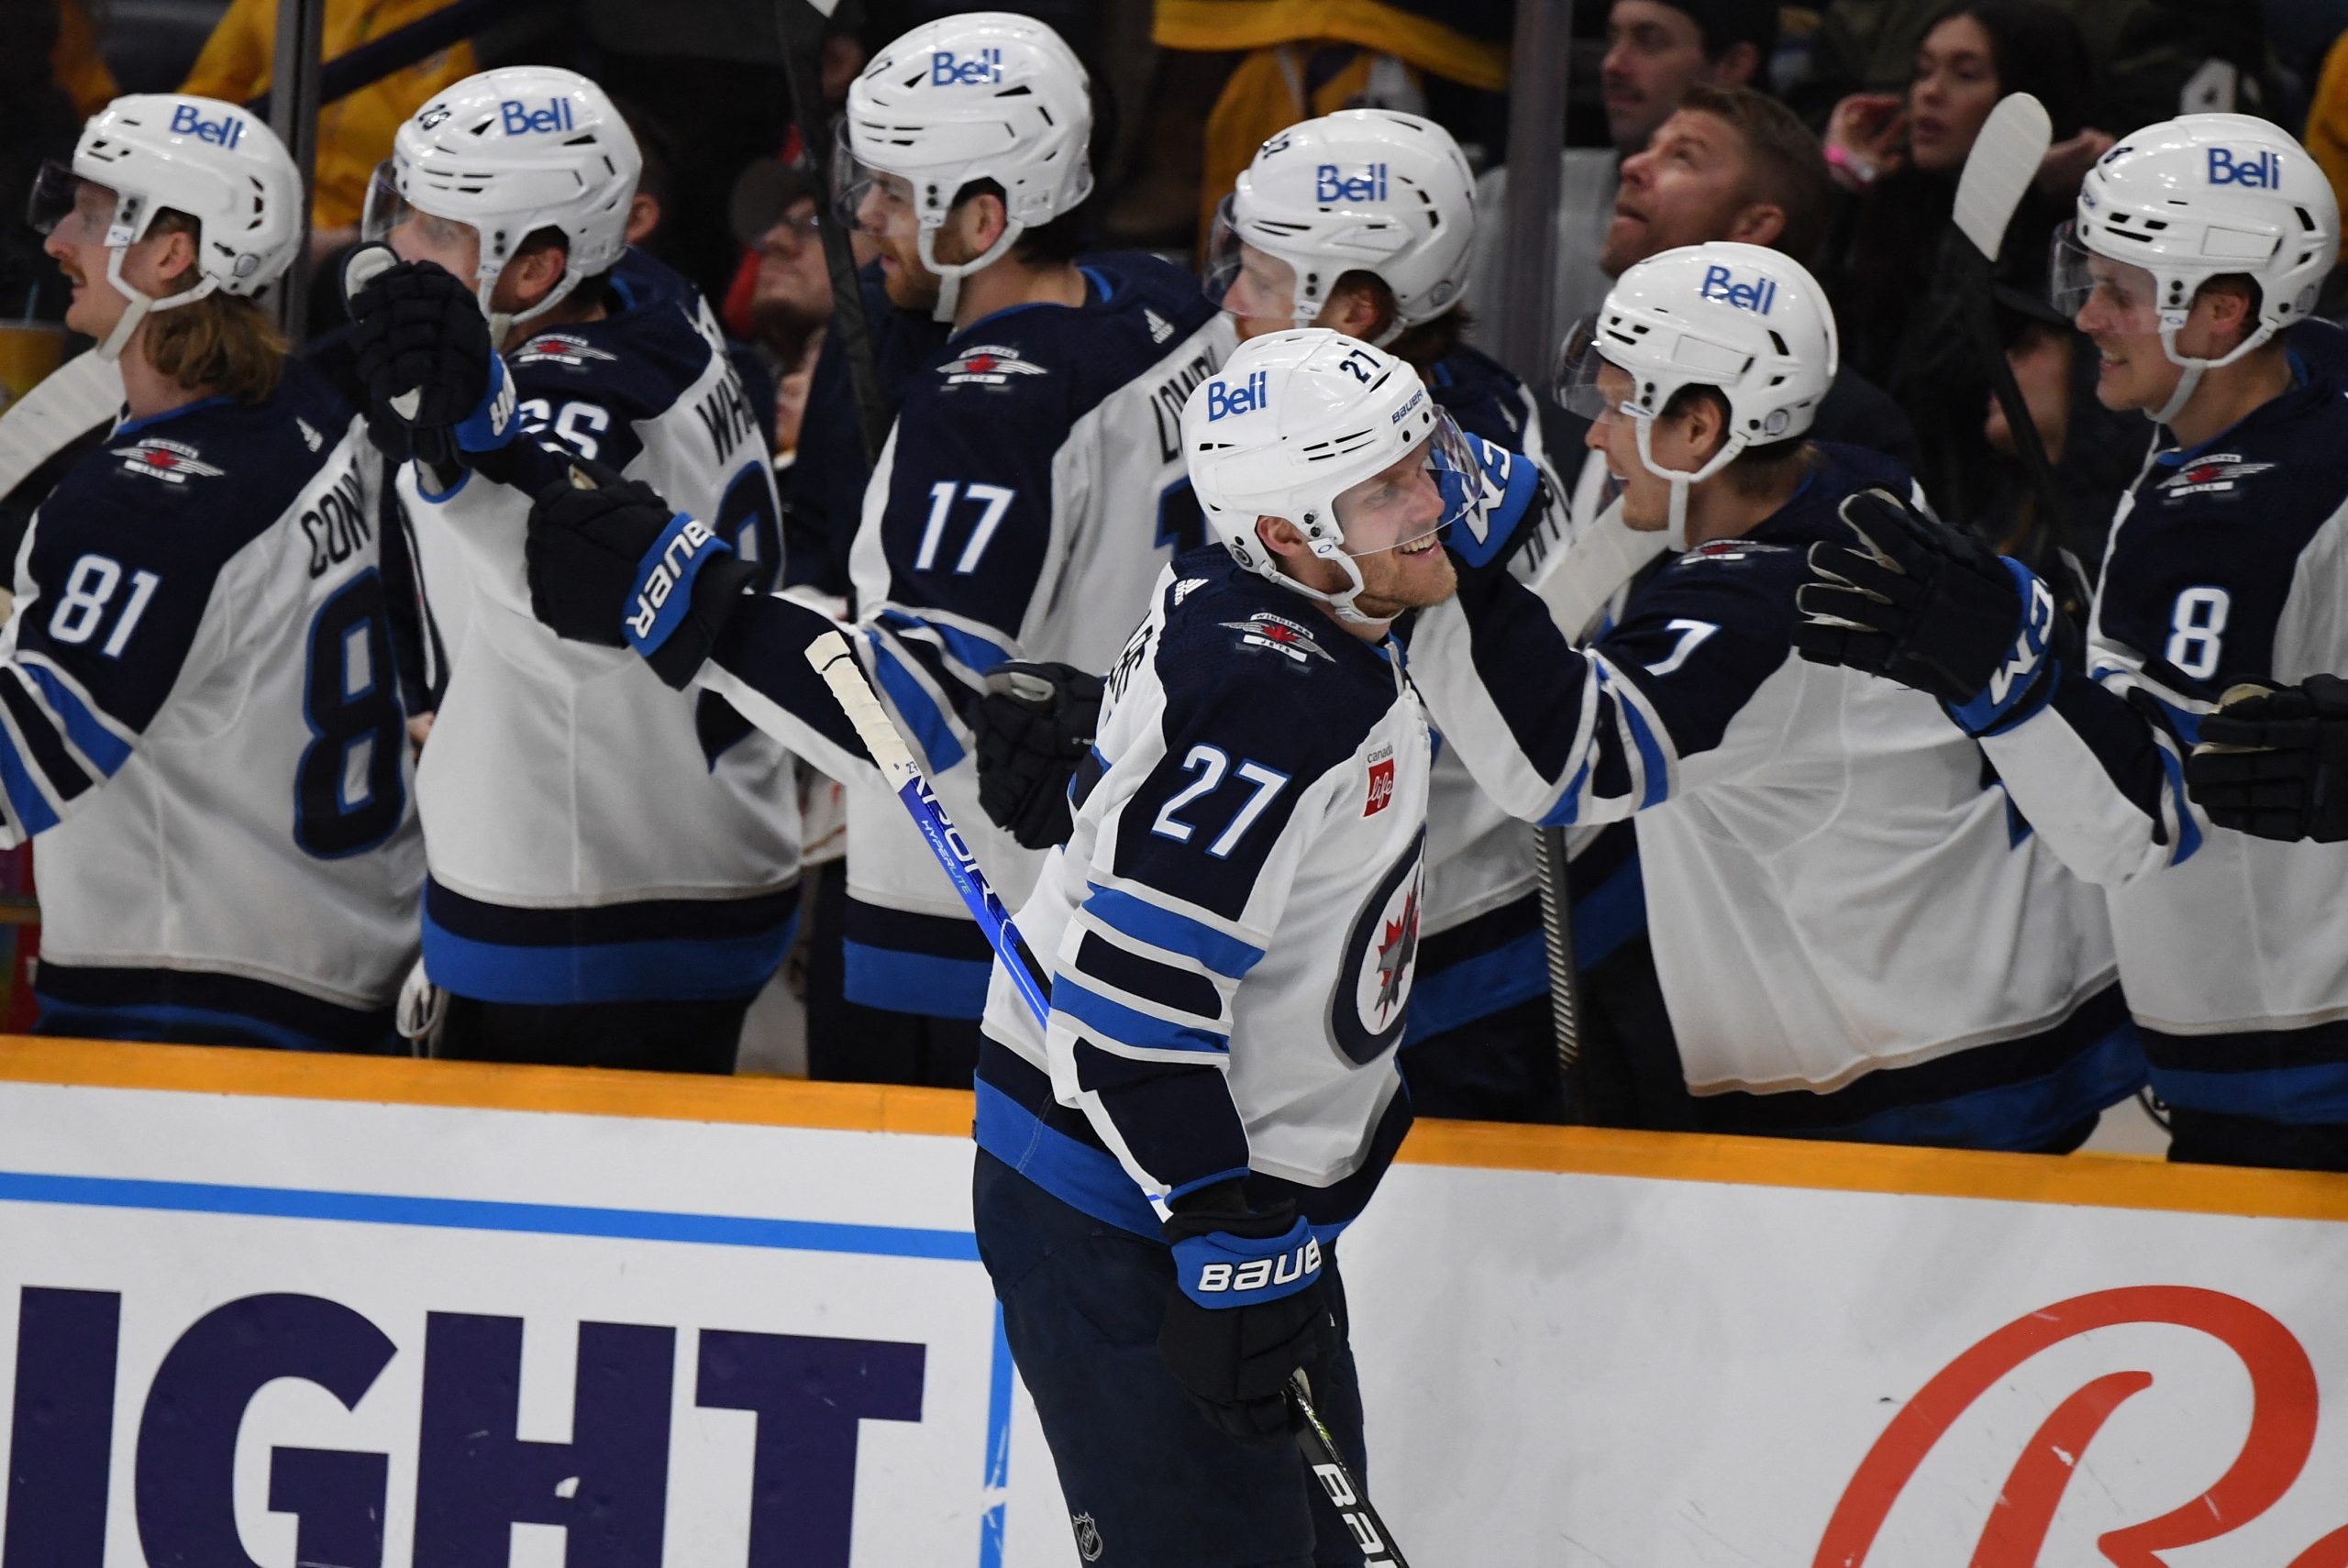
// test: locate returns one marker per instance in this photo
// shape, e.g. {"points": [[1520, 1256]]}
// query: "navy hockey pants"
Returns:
{"points": [[1149, 1481]]}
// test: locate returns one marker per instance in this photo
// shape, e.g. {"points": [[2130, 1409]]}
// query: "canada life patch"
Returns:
{"points": [[1381, 786]]}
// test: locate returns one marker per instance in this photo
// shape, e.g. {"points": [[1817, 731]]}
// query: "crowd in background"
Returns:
{"points": [[1833, 133]]}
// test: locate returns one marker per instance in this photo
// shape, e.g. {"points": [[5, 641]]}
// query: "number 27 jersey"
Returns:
{"points": [[203, 728]]}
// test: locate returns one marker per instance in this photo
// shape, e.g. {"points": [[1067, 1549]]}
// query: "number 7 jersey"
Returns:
{"points": [[199, 721]]}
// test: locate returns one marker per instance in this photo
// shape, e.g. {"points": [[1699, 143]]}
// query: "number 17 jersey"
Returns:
{"points": [[199, 721]]}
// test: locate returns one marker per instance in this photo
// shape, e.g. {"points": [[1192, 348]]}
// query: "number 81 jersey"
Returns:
{"points": [[199, 720]]}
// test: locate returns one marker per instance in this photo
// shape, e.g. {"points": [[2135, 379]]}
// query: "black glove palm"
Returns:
{"points": [[2274, 763], [424, 355], [1917, 603], [1034, 725], [607, 563]]}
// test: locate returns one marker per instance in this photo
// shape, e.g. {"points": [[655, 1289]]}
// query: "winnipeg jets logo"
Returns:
{"points": [[1277, 634], [554, 348], [170, 461], [1396, 951], [2215, 474], [988, 365]]}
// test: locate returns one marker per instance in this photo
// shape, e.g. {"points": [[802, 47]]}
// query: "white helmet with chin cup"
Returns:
{"points": [[2195, 198], [1748, 322], [1363, 190], [984, 96], [215, 162], [1292, 421], [510, 153]]}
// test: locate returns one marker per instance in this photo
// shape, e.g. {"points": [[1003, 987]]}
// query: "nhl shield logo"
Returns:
{"points": [[1088, 1537]]}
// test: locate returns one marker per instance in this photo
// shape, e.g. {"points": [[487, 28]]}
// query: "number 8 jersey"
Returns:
{"points": [[198, 717]]}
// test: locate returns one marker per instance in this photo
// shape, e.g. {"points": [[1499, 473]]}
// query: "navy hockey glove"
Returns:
{"points": [[1247, 1310], [2274, 763], [424, 357], [1034, 725], [616, 564], [1933, 609]]}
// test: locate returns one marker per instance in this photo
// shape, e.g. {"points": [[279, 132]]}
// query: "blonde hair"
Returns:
{"points": [[221, 342]]}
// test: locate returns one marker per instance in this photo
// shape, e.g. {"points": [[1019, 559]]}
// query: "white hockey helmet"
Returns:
{"points": [[985, 95], [511, 152], [214, 161], [2195, 198], [1363, 190], [1292, 421], [1749, 321]]}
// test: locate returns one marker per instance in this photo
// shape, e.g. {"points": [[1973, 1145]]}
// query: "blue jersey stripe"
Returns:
{"points": [[1121, 1025], [25, 797], [1087, 1179], [968, 647], [898, 982], [1163, 928], [705, 969], [918, 708], [83, 727]]}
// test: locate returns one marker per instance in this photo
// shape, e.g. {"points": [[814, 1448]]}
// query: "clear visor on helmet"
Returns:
{"points": [[1434, 485], [1579, 366], [2129, 296], [868, 199], [1244, 281], [414, 234], [78, 211]]}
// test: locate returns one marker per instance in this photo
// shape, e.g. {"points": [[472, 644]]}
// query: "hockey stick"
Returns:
{"points": [[799, 28], [1550, 861], [1997, 173], [836, 662]]}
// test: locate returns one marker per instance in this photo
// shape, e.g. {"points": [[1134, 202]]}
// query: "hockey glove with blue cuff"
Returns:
{"points": [[1034, 725], [1247, 1310], [424, 357], [615, 564], [1920, 604], [2274, 763]]}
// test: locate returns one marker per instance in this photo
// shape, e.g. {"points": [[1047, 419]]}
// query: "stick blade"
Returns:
{"points": [[2005, 160]]}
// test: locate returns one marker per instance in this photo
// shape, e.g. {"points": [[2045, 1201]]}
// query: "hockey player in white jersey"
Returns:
{"points": [[2198, 244], [198, 716], [1856, 935], [614, 866], [1032, 485]]}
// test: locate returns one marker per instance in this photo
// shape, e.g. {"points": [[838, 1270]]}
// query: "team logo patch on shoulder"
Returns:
{"points": [[988, 365], [170, 461], [2216, 474], [1725, 550], [558, 348], [1280, 635]]}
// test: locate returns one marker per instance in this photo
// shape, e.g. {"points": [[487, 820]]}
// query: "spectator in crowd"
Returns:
{"points": [[73, 59], [1310, 58], [782, 297], [2156, 58], [1898, 158], [2327, 129], [354, 131], [41, 125], [1655, 51]]}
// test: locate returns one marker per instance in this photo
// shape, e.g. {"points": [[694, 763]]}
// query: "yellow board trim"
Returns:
{"points": [[2086, 1180], [1212, 25]]}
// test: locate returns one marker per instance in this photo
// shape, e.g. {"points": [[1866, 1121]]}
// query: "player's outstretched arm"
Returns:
{"points": [[610, 562], [2091, 757], [2274, 762]]}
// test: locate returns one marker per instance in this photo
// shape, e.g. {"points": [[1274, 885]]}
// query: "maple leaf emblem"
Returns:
{"points": [[981, 363], [1396, 951]]}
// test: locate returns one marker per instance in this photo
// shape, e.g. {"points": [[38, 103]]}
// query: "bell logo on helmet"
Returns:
{"points": [[188, 120], [522, 120], [1331, 184], [1247, 398], [1756, 296], [946, 71], [2262, 170]]}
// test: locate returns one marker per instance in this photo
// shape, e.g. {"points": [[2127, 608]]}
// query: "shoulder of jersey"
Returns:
{"points": [[638, 358], [2293, 466], [1240, 647], [1146, 310], [214, 477], [1481, 393]]}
